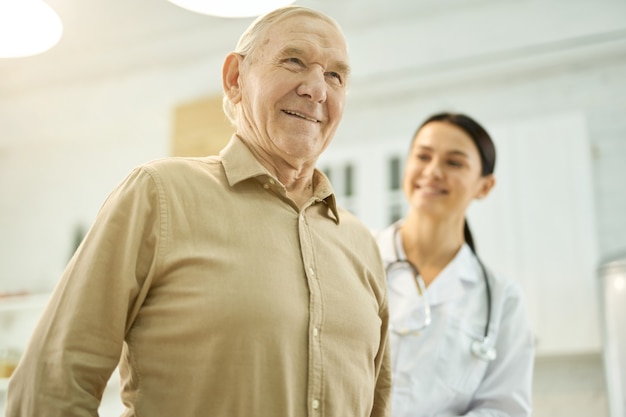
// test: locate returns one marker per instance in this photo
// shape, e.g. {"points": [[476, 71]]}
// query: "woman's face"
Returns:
{"points": [[442, 174]]}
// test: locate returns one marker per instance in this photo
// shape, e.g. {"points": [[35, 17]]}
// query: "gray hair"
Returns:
{"points": [[250, 38]]}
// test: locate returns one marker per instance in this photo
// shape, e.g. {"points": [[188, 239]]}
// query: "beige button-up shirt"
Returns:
{"points": [[222, 298]]}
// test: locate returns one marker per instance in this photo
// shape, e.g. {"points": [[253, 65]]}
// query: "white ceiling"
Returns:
{"points": [[108, 38], [112, 36]]}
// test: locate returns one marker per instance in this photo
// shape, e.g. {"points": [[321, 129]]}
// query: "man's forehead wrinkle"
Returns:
{"points": [[291, 50]]}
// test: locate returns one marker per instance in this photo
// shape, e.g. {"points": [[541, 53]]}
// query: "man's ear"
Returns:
{"points": [[230, 77]]}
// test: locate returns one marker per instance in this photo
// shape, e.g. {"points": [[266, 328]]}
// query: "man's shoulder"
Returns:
{"points": [[175, 165], [178, 173], [181, 162]]}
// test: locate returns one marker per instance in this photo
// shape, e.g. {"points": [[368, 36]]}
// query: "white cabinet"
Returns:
{"points": [[537, 227], [18, 317]]}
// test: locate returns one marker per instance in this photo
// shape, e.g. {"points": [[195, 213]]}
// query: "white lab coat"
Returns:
{"points": [[435, 372]]}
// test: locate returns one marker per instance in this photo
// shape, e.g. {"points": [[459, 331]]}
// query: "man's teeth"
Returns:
{"points": [[300, 115]]}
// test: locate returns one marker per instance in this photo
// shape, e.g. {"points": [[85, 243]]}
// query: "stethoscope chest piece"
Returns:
{"points": [[482, 350]]}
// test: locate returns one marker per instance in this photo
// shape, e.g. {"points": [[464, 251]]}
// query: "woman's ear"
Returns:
{"points": [[230, 77], [487, 183]]}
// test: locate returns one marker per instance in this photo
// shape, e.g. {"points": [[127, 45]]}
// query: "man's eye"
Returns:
{"points": [[294, 60], [336, 76], [455, 164]]}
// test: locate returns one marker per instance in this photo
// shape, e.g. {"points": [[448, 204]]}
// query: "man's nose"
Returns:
{"points": [[314, 85]]}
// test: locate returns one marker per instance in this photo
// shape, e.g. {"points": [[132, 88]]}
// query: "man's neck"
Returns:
{"points": [[296, 177]]}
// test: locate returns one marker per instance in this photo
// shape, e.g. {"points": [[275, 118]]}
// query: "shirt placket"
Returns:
{"points": [[315, 370]]}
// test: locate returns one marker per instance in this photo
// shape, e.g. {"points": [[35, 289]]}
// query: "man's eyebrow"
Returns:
{"points": [[339, 66], [343, 68], [291, 50]]}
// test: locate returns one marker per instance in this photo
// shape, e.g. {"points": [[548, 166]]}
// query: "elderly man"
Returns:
{"points": [[230, 285]]}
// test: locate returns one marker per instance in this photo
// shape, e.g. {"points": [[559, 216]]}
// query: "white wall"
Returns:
{"points": [[62, 150]]}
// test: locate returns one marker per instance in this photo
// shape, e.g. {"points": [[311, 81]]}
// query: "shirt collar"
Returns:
{"points": [[240, 165], [463, 267]]}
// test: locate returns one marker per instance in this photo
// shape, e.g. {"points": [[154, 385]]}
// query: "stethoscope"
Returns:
{"points": [[480, 347]]}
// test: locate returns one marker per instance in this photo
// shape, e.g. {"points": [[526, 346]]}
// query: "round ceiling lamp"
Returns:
{"points": [[231, 8], [27, 27]]}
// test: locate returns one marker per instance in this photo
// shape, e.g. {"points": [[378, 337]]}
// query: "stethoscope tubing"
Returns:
{"points": [[479, 347]]}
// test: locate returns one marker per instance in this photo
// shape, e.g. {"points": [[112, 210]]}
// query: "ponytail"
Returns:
{"points": [[468, 236]]}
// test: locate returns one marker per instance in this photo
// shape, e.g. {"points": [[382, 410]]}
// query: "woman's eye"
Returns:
{"points": [[422, 157], [456, 164]]}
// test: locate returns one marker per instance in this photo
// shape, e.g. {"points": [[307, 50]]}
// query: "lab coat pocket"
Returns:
{"points": [[459, 368]]}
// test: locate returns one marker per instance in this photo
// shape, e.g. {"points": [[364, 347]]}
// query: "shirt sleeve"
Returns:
{"points": [[78, 340], [506, 389]]}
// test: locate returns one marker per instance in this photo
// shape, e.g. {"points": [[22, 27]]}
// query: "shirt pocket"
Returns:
{"points": [[458, 368]]}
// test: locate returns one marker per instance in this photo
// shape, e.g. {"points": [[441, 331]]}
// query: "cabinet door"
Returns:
{"points": [[537, 227], [200, 128]]}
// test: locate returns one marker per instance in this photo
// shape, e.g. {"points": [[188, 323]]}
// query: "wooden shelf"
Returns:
{"points": [[23, 302]]}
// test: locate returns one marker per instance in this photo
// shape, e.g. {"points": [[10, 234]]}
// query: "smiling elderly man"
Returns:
{"points": [[230, 285]]}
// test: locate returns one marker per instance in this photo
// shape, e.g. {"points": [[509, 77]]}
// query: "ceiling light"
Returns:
{"points": [[231, 8], [27, 27]]}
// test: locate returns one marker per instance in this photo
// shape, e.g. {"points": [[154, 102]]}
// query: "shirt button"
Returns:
{"points": [[271, 181], [266, 186], [316, 404], [316, 331], [311, 271]]}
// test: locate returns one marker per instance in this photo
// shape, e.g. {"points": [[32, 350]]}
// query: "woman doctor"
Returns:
{"points": [[461, 340]]}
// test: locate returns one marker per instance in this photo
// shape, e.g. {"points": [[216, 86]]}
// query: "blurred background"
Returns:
{"points": [[131, 81]]}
